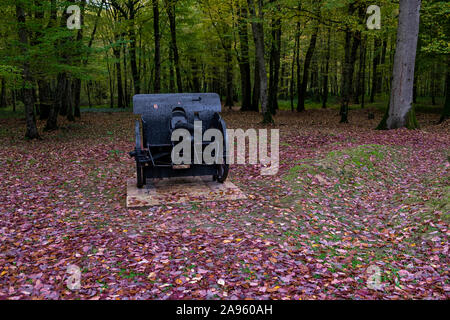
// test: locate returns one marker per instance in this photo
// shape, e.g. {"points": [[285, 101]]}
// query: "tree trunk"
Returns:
{"points": [[77, 82], [256, 88], [363, 75], [351, 49], [434, 76], [446, 111], [31, 130], [308, 58], [292, 82], [383, 63], [171, 72], [126, 93], [68, 101], [400, 112], [133, 62], [327, 69], [375, 73], [59, 107], [244, 63], [116, 52], [258, 36], [3, 94], [157, 34], [173, 43], [275, 56], [228, 75]]}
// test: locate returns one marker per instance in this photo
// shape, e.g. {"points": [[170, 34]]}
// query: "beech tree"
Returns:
{"points": [[400, 112], [258, 36]]}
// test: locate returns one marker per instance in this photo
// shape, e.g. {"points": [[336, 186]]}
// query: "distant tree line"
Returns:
{"points": [[252, 52]]}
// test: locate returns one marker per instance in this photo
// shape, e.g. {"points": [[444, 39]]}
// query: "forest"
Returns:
{"points": [[359, 90], [318, 52]]}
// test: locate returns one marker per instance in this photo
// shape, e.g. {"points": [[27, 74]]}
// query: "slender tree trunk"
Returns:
{"points": [[59, 107], [244, 62], [375, 72], [14, 99], [446, 111], [351, 49], [171, 72], [308, 59], [157, 34], [116, 52], [68, 100], [363, 75], [88, 90], [291, 89], [3, 94], [126, 92], [77, 82], [297, 62], [173, 44], [275, 56], [327, 69], [228, 75], [31, 130], [256, 88], [383, 64], [258, 35], [434, 75], [401, 114], [133, 62]]}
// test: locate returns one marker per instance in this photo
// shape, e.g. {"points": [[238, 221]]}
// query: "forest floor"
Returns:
{"points": [[347, 199]]}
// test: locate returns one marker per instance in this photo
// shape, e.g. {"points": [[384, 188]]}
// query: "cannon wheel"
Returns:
{"points": [[140, 176], [223, 169], [139, 168]]}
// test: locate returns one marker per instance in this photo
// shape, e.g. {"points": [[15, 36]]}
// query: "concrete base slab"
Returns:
{"points": [[180, 191]]}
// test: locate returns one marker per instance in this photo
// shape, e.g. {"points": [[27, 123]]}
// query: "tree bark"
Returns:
{"points": [[77, 82], [292, 82], [256, 88], [258, 37], [173, 43], [400, 106], [275, 56], [133, 61], [375, 72], [3, 94], [31, 130], [363, 71], [157, 34], [446, 111], [327, 69], [308, 58], [244, 62], [351, 48], [59, 107], [68, 101]]}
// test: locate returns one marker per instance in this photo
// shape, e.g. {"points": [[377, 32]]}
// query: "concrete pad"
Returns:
{"points": [[180, 190]]}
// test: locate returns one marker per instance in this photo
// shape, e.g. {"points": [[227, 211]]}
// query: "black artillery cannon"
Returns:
{"points": [[161, 115]]}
